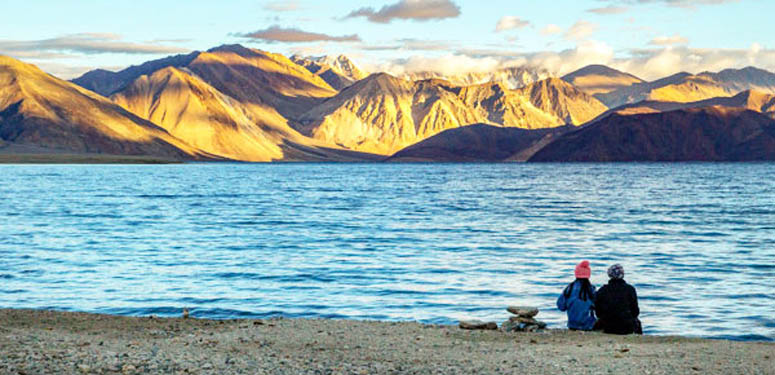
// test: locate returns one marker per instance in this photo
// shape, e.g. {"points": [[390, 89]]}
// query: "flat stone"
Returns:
{"points": [[525, 311], [478, 324]]}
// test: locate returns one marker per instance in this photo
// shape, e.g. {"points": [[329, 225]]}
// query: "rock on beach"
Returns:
{"points": [[524, 311], [478, 324]]}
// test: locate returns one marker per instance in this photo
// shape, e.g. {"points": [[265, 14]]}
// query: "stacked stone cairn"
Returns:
{"points": [[523, 320]]}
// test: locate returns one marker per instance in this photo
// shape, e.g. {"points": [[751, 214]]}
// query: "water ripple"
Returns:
{"points": [[432, 243]]}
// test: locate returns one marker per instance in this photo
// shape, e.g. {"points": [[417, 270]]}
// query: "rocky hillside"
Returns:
{"points": [[753, 100], [383, 114], [192, 110], [685, 88], [339, 72], [39, 110]]}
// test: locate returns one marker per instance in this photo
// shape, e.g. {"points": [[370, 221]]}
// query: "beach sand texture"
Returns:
{"points": [[40, 342]]}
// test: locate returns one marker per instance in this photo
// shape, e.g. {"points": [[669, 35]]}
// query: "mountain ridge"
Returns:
{"points": [[41, 110]]}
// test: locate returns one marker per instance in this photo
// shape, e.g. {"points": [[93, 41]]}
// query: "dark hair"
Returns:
{"points": [[585, 291]]}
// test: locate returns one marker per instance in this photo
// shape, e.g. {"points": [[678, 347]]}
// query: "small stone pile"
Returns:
{"points": [[523, 320]]}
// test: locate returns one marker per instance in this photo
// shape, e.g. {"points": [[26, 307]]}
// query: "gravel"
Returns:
{"points": [[46, 342]]}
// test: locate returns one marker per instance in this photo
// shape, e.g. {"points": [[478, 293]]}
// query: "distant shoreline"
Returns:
{"points": [[82, 159], [96, 159], [38, 341]]}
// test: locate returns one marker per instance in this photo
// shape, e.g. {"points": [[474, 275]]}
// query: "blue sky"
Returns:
{"points": [[650, 38]]}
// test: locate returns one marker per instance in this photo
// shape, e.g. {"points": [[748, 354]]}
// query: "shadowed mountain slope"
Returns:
{"points": [[107, 83], [254, 77], [696, 134], [41, 111], [479, 143]]}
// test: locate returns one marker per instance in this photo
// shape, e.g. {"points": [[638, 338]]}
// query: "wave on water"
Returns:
{"points": [[429, 243]]}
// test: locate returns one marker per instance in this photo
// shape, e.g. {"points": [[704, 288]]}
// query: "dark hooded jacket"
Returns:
{"points": [[616, 305]]}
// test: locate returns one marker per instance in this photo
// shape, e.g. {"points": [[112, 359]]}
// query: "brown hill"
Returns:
{"points": [[192, 110], [43, 112], [749, 78], [600, 79], [260, 80], [107, 83], [685, 88], [753, 100], [267, 80], [478, 143], [383, 114], [196, 112], [696, 134], [562, 101]]}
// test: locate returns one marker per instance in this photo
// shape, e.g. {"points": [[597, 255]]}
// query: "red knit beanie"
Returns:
{"points": [[582, 270]]}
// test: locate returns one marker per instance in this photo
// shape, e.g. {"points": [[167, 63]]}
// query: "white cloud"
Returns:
{"points": [[450, 64], [510, 23], [293, 35], [608, 10], [418, 10], [669, 40], [649, 63], [586, 53], [551, 29], [282, 6], [676, 3], [660, 62], [581, 30], [85, 43]]}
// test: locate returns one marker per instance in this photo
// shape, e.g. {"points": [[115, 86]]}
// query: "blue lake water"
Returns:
{"points": [[434, 243]]}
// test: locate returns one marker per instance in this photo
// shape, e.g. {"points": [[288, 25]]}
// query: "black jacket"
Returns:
{"points": [[616, 304]]}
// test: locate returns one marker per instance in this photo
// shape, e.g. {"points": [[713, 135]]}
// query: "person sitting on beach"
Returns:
{"points": [[578, 299], [616, 304]]}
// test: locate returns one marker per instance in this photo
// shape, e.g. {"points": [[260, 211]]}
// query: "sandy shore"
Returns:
{"points": [[37, 342]]}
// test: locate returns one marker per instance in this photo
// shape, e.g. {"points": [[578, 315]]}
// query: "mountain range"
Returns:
{"points": [[243, 104]]}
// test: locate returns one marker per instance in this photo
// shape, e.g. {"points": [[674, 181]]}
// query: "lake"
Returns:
{"points": [[429, 242]]}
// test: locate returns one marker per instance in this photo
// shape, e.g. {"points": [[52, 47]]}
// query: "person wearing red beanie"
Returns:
{"points": [[578, 299]]}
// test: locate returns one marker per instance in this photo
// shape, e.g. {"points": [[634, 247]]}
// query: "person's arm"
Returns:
{"points": [[634, 309], [562, 303], [601, 305]]}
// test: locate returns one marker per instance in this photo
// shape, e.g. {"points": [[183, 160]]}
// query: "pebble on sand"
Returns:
{"points": [[478, 324]]}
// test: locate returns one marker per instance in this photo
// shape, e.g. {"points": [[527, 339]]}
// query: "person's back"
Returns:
{"points": [[578, 300], [616, 304]]}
